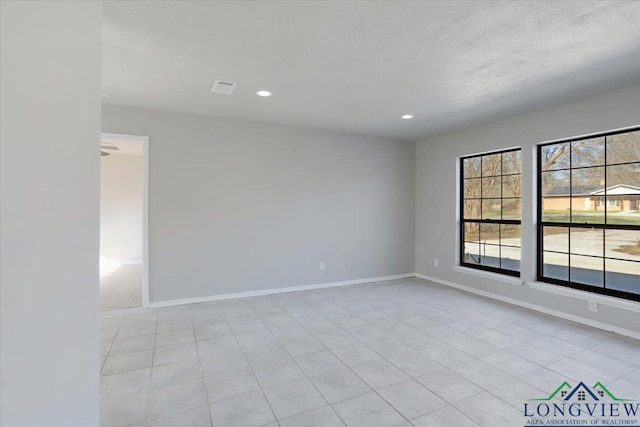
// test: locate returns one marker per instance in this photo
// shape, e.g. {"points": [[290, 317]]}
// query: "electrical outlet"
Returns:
{"points": [[436, 262], [593, 306], [323, 266]]}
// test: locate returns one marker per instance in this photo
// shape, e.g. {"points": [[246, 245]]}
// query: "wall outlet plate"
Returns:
{"points": [[593, 306], [436, 262], [323, 266]]}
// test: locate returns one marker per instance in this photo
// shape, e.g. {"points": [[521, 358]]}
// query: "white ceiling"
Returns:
{"points": [[357, 66]]}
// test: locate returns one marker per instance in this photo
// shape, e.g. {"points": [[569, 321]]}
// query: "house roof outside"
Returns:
{"points": [[592, 190], [576, 190], [619, 189]]}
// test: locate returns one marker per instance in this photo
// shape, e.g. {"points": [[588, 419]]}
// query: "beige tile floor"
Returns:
{"points": [[398, 353]]}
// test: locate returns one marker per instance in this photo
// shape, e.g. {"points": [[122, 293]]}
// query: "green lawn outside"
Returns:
{"points": [[628, 218]]}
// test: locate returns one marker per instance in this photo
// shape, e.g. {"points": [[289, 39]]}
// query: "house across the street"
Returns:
{"points": [[621, 197]]}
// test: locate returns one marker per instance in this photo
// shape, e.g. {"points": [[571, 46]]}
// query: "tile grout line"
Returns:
{"points": [[313, 384], [256, 379], [202, 375], [155, 340]]}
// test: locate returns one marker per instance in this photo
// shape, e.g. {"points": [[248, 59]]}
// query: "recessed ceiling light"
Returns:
{"points": [[407, 116], [104, 95], [263, 92]]}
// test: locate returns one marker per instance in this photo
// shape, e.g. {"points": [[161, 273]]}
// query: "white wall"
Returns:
{"points": [[49, 182], [237, 206], [121, 208], [436, 162]]}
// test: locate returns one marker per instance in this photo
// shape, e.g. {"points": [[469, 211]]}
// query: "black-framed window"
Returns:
{"points": [[490, 211], [589, 213]]}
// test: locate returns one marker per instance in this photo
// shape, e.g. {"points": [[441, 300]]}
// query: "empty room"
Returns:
{"points": [[319, 213]]}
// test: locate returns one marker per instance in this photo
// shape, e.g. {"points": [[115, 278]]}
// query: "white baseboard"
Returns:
{"points": [[263, 292], [623, 304], [583, 320]]}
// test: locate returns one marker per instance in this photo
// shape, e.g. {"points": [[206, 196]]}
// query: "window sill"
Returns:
{"points": [[586, 296], [515, 281]]}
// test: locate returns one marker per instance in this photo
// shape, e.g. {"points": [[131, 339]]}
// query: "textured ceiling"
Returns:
{"points": [[357, 66]]}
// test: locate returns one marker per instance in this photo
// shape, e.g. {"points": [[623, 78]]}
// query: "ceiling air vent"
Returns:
{"points": [[223, 87]]}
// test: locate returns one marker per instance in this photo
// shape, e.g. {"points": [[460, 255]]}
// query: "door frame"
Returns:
{"points": [[144, 140]]}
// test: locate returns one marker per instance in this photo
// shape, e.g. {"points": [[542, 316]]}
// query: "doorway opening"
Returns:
{"points": [[124, 184]]}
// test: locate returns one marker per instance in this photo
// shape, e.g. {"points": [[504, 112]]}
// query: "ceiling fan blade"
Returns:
{"points": [[109, 147], [104, 153]]}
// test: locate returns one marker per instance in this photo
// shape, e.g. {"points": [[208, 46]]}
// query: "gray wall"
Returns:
{"points": [[121, 178], [239, 206], [436, 187], [49, 184]]}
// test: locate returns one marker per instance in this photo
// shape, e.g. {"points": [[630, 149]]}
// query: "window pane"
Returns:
{"points": [[586, 211], [623, 148], [511, 162], [556, 183], [556, 199], [585, 182], [615, 213], [623, 275], [510, 235], [623, 210], [510, 252], [587, 270], [584, 206], [511, 186], [471, 243], [555, 156], [471, 232], [491, 187], [587, 241], [556, 266], [623, 177], [623, 244], [556, 239], [472, 188], [623, 193], [491, 208], [490, 233], [511, 208], [471, 209], [553, 215], [471, 167], [491, 165], [472, 253], [490, 255], [510, 258], [587, 152]]}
